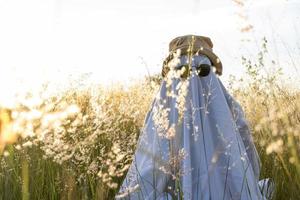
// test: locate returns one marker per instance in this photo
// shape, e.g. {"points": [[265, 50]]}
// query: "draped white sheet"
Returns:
{"points": [[207, 155]]}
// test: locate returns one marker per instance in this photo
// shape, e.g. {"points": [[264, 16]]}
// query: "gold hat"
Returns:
{"points": [[199, 44]]}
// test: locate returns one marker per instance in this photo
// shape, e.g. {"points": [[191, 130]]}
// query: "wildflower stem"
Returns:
{"points": [[25, 180]]}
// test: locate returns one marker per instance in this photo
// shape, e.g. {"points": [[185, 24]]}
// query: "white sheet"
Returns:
{"points": [[220, 162]]}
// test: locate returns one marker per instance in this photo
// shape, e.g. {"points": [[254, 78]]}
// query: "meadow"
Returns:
{"points": [[78, 143]]}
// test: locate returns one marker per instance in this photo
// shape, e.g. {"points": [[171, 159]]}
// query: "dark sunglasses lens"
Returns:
{"points": [[203, 69]]}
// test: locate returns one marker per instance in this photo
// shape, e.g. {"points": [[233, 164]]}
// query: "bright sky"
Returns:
{"points": [[117, 40]]}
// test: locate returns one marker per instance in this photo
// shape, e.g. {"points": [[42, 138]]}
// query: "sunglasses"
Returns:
{"points": [[201, 70]]}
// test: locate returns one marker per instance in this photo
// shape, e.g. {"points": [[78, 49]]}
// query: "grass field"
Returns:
{"points": [[78, 143]]}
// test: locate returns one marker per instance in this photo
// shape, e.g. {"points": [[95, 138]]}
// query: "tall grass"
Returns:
{"points": [[75, 145], [273, 110], [79, 143]]}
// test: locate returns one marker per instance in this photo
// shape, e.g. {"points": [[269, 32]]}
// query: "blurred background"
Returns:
{"points": [[113, 41]]}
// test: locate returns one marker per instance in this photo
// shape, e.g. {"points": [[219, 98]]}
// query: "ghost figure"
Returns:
{"points": [[195, 143]]}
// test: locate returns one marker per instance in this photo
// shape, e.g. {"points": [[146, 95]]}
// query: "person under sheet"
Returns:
{"points": [[195, 143]]}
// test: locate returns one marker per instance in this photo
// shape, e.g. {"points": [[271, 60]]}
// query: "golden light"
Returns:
{"points": [[6, 134]]}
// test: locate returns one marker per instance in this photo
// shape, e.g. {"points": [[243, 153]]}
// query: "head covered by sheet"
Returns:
{"points": [[195, 142]]}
